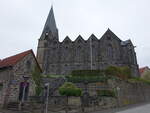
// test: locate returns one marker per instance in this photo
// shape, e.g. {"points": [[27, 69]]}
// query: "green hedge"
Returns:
{"points": [[139, 80], [89, 79], [70, 89], [87, 72], [106, 93], [122, 72]]}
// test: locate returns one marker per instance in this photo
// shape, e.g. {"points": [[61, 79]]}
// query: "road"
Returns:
{"points": [[145, 108], [141, 109]]}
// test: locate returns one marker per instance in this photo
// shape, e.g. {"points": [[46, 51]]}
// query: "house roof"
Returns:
{"points": [[143, 69], [12, 60]]}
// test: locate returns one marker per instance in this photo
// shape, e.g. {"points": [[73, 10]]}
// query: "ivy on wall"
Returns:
{"points": [[37, 77]]}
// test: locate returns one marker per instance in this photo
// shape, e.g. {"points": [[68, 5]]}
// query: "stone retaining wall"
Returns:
{"points": [[126, 93]]}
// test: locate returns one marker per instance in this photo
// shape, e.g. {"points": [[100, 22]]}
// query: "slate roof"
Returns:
{"points": [[50, 25], [12, 60]]}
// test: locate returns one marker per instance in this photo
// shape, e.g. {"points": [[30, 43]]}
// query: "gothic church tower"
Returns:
{"points": [[48, 37]]}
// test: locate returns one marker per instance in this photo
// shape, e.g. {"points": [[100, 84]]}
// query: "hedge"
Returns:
{"points": [[89, 79], [122, 72], [139, 80], [87, 72], [70, 89]]}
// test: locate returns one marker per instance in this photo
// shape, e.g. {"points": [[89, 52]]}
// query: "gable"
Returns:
{"points": [[13, 60], [93, 38], [79, 39], [109, 35], [67, 40]]}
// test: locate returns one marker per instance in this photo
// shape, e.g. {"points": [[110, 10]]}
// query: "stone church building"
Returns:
{"points": [[61, 58]]}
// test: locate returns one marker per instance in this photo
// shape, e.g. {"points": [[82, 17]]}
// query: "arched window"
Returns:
{"points": [[110, 52], [78, 53]]}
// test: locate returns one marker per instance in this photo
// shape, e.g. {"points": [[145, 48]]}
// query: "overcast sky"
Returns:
{"points": [[22, 21]]}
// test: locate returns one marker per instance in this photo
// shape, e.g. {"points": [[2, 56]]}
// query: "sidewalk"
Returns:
{"points": [[116, 110]]}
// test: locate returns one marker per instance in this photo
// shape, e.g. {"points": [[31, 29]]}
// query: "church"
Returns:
{"points": [[61, 58]]}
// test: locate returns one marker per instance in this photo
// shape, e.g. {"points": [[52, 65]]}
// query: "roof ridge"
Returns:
{"points": [[16, 54]]}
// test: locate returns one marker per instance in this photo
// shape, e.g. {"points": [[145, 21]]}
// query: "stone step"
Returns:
{"points": [[15, 106]]}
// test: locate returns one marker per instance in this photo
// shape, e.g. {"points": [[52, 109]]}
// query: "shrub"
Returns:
{"points": [[69, 89], [121, 72]]}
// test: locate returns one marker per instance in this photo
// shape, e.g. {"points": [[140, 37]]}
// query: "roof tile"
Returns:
{"points": [[10, 61]]}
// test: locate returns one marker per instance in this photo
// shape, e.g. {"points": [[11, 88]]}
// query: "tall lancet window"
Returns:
{"points": [[110, 51]]}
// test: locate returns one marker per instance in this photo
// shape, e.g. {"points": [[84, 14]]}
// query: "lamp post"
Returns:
{"points": [[118, 90]]}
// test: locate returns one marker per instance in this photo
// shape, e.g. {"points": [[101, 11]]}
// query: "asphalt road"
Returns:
{"points": [[140, 108]]}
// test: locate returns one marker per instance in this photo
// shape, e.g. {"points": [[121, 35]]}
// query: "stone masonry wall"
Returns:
{"points": [[62, 57], [5, 76], [22, 68], [127, 93]]}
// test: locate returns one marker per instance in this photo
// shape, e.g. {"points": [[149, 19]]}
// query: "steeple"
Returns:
{"points": [[50, 25]]}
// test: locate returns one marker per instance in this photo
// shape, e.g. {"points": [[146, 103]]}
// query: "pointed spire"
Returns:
{"points": [[50, 25]]}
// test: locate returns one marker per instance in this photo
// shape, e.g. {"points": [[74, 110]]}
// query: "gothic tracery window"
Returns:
{"points": [[110, 52]]}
